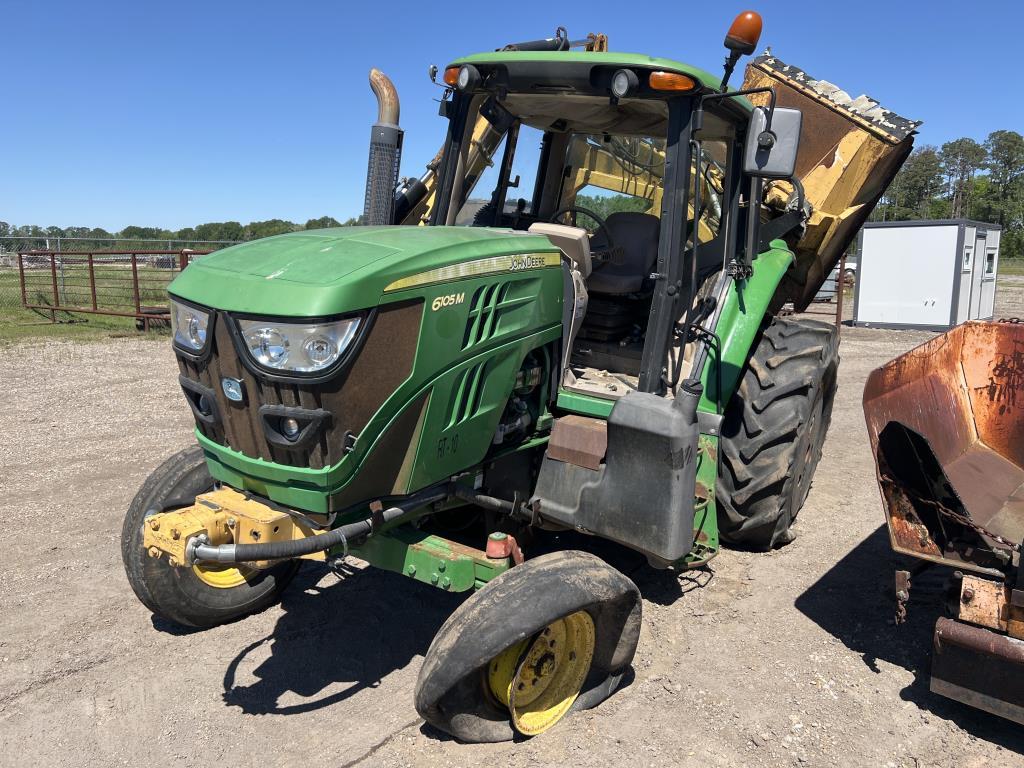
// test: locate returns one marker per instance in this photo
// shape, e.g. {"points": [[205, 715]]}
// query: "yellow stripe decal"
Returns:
{"points": [[488, 266]]}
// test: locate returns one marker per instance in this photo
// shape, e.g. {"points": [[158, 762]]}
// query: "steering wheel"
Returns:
{"points": [[600, 256]]}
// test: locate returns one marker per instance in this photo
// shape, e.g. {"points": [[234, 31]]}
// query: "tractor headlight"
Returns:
{"points": [[297, 347], [189, 325]]}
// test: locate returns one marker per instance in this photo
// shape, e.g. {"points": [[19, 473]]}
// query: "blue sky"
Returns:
{"points": [[173, 114]]}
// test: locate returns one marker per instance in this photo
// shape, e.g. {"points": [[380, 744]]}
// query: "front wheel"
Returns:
{"points": [[203, 595], [547, 637], [773, 431]]}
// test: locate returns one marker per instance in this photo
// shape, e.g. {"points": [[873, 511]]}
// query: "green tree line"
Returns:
{"points": [[964, 179], [31, 236]]}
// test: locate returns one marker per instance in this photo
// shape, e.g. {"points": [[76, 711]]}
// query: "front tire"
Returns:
{"points": [[192, 597], [773, 432], [455, 689]]}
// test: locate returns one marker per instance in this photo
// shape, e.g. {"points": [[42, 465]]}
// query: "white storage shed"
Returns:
{"points": [[929, 275]]}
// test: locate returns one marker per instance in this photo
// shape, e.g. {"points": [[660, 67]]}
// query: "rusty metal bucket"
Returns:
{"points": [[946, 422]]}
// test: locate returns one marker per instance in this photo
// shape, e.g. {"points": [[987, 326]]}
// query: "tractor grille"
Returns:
{"points": [[351, 398]]}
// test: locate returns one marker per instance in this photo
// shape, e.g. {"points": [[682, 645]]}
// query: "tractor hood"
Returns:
{"points": [[331, 271]]}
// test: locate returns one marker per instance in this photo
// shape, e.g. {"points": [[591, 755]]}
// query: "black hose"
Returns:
{"points": [[482, 500], [282, 550]]}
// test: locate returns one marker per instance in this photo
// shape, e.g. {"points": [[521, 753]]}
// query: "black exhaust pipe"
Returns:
{"points": [[385, 153]]}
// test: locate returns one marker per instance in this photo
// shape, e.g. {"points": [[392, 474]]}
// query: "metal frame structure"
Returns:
{"points": [[145, 315]]}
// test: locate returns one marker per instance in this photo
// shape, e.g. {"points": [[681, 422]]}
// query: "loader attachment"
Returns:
{"points": [[850, 150], [946, 422]]}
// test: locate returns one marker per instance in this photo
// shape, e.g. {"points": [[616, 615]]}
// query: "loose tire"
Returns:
{"points": [[773, 432], [182, 595], [452, 692]]}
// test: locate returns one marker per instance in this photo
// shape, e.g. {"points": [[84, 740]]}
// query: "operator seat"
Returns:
{"points": [[635, 236]]}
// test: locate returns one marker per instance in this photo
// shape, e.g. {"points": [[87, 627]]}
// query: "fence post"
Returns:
{"points": [[21, 273], [135, 284], [63, 277], [92, 282], [53, 280]]}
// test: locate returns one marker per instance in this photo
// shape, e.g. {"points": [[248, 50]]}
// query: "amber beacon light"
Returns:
{"points": [[741, 40], [744, 33]]}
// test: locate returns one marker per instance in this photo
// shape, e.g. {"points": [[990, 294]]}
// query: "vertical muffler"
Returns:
{"points": [[385, 153]]}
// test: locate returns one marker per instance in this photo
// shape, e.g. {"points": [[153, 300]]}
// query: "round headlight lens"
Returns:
{"points": [[319, 350], [268, 345]]}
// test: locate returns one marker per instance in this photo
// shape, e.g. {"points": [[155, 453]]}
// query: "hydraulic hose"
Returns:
{"points": [[282, 550], [482, 500]]}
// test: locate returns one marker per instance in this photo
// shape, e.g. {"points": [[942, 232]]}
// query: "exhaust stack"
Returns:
{"points": [[385, 153]]}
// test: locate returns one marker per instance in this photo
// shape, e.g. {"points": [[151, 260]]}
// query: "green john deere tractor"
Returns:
{"points": [[579, 331]]}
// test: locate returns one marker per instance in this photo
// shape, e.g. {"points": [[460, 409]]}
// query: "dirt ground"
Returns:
{"points": [[787, 658]]}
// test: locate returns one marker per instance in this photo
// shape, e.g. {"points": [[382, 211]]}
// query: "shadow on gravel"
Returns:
{"points": [[855, 602], [335, 640], [341, 637]]}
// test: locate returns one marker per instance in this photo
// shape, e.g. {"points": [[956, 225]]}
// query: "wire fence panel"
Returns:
{"points": [[119, 283], [69, 250]]}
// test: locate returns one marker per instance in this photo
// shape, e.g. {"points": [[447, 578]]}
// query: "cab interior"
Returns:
{"points": [[563, 156]]}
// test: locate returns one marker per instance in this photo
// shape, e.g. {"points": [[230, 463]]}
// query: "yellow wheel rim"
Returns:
{"points": [[539, 678], [222, 576]]}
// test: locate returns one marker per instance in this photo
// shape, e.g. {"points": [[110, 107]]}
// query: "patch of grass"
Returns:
{"points": [[1011, 267], [25, 325]]}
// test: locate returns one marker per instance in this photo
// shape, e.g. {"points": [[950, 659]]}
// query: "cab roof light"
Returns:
{"points": [[744, 33], [451, 76], [671, 81]]}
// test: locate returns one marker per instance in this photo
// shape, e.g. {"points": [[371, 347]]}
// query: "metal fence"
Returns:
{"points": [[69, 253], [118, 283], [11, 245]]}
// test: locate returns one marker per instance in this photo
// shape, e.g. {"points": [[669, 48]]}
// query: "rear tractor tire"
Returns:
{"points": [[773, 432], [553, 635], [204, 595]]}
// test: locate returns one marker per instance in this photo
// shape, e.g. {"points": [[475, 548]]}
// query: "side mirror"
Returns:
{"points": [[770, 153]]}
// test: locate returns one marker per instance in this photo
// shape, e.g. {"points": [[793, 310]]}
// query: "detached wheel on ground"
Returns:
{"points": [[204, 595], [773, 431], [550, 636]]}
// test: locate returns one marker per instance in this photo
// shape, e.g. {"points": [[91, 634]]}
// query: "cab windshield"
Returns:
{"points": [[596, 177]]}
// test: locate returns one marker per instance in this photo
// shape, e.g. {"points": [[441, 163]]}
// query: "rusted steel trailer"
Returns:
{"points": [[946, 422]]}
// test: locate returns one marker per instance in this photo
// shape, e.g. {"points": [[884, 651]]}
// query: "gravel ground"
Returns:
{"points": [[763, 659]]}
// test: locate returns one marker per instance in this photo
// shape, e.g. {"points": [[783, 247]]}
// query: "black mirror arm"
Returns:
{"points": [[745, 92]]}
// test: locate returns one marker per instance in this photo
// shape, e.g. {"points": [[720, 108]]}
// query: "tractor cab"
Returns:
{"points": [[632, 166]]}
